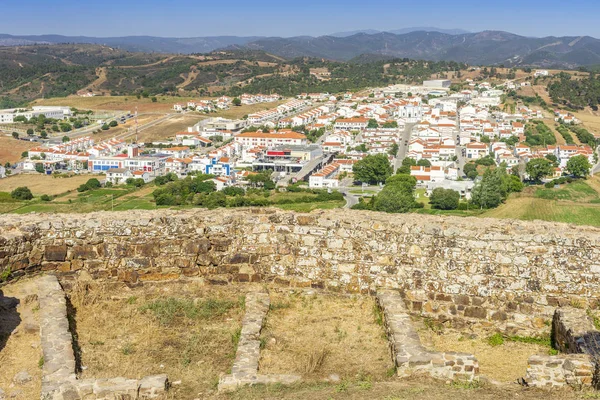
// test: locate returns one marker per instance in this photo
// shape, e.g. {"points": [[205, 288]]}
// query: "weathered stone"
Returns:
{"points": [[55, 253], [22, 378]]}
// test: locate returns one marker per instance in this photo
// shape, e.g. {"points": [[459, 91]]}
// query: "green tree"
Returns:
{"points": [[113, 124], [21, 193], [30, 132], [154, 99], [373, 169], [513, 183], [538, 168], [490, 191], [423, 163], [579, 166], [397, 196], [44, 135], [552, 158], [470, 170], [39, 167], [105, 127], [15, 135], [236, 102], [66, 139], [406, 164], [444, 199], [25, 154], [372, 124], [393, 151], [93, 183]]}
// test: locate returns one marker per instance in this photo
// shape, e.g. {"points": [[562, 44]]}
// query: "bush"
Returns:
{"points": [[495, 340], [113, 124], [21, 193], [444, 199], [45, 197]]}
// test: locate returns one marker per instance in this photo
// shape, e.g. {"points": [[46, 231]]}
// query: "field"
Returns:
{"points": [[168, 128], [318, 336], [577, 203], [44, 184], [164, 104], [11, 149]]}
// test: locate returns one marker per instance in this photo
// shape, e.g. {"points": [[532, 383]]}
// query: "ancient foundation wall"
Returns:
{"points": [[509, 275]]}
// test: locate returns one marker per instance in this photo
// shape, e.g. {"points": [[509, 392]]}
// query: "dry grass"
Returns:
{"points": [[317, 336], [43, 184], [183, 330], [11, 149], [504, 363], [23, 349], [170, 127]]}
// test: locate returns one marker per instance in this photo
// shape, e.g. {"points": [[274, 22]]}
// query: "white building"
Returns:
{"points": [[118, 176]]}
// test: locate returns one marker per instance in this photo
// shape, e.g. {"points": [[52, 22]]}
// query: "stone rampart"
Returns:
{"points": [[484, 272]]}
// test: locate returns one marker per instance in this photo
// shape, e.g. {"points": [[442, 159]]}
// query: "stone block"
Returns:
{"points": [[475, 312], [55, 252]]}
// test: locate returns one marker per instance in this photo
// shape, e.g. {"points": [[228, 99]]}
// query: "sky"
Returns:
{"points": [[192, 18]]}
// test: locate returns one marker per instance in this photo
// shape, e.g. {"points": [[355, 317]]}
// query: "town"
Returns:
{"points": [[435, 132]]}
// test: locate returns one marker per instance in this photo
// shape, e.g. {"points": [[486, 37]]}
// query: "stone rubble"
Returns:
{"points": [[409, 356], [245, 367]]}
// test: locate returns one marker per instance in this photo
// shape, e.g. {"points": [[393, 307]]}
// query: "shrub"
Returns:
{"points": [[21, 193], [495, 340], [45, 197]]}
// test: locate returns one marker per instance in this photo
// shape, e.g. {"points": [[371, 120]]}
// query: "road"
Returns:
{"points": [[403, 145]]}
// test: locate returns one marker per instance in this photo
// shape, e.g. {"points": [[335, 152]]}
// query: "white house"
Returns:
{"points": [[326, 178], [118, 176]]}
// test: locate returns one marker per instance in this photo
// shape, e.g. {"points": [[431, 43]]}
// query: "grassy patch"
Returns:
{"points": [[575, 191], [308, 207], [170, 309]]}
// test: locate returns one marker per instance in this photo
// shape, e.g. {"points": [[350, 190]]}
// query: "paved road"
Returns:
{"points": [[403, 147]]}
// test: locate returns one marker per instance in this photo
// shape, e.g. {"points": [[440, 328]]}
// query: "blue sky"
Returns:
{"points": [[188, 18]]}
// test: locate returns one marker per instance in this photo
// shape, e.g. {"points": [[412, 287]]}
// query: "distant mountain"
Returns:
{"points": [[482, 48], [401, 31], [352, 33], [429, 29], [148, 44]]}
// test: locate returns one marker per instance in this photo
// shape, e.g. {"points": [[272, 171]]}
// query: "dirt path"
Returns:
{"points": [[191, 77], [101, 74], [147, 65]]}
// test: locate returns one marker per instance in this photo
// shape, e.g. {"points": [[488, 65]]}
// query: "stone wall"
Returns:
{"points": [[409, 356], [509, 275], [574, 333]]}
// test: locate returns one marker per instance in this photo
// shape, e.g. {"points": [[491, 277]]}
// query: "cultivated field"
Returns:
{"points": [[164, 104], [45, 184]]}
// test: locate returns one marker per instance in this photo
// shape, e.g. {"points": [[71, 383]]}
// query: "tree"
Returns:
{"points": [[393, 151], [444, 199], [406, 164], [21, 193], [579, 166], [397, 196], [154, 99], [470, 170], [25, 154], [490, 191], [30, 132], [390, 124], [552, 158], [39, 167], [372, 169], [105, 127], [66, 139], [113, 124], [423, 163], [93, 183], [44, 135], [372, 124], [538, 168], [236, 102], [45, 197], [15, 135], [513, 183]]}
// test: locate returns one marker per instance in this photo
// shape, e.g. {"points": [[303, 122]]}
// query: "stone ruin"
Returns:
{"points": [[509, 276]]}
